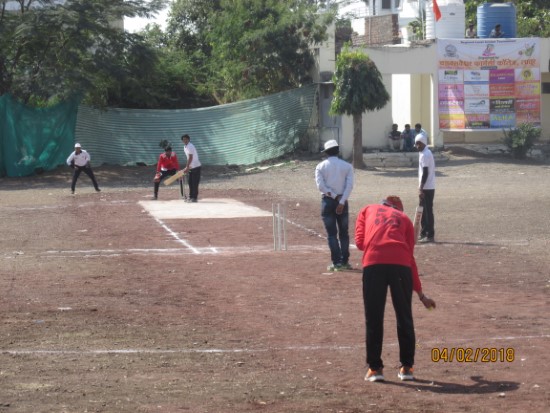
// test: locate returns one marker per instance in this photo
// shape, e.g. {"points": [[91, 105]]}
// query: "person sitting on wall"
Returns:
{"points": [[471, 31], [407, 136], [394, 138], [496, 32]]}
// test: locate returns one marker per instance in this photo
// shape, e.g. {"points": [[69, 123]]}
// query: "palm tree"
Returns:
{"points": [[358, 88]]}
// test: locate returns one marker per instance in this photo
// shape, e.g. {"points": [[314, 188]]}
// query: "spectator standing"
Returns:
{"points": [[334, 179], [418, 129], [79, 160], [192, 168]]}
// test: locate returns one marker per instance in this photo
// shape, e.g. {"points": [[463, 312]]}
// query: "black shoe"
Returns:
{"points": [[155, 197], [193, 199], [98, 190], [426, 240]]}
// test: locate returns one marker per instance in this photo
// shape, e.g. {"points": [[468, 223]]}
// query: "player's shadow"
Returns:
{"points": [[469, 243], [480, 386]]}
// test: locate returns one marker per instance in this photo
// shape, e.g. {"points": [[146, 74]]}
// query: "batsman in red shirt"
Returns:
{"points": [[386, 236]]}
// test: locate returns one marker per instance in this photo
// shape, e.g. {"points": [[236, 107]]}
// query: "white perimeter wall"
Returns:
{"points": [[410, 76]]}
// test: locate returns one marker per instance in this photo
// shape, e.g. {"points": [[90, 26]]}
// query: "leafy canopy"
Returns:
{"points": [[50, 51], [358, 84], [250, 47]]}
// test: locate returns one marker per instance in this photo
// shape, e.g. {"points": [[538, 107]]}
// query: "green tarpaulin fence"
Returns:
{"points": [[33, 139], [241, 133]]}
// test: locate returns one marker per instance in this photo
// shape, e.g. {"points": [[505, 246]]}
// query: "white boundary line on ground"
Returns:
{"points": [[432, 343]]}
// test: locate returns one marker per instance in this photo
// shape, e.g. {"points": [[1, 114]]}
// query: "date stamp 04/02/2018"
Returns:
{"points": [[473, 355]]}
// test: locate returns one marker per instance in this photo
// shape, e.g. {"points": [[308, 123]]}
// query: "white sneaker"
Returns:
{"points": [[374, 375], [405, 374]]}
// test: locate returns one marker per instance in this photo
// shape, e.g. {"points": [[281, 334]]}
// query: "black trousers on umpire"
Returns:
{"points": [[428, 221], [376, 280], [194, 178], [88, 171]]}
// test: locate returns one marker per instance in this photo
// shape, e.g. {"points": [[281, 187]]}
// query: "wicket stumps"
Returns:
{"points": [[279, 227]]}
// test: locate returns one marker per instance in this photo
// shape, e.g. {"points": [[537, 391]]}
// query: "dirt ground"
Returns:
{"points": [[104, 309]]}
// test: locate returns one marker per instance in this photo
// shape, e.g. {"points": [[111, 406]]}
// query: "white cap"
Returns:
{"points": [[330, 144], [77, 145], [421, 138]]}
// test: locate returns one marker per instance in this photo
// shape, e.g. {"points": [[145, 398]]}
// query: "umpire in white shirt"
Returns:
{"points": [[334, 179], [79, 160]]}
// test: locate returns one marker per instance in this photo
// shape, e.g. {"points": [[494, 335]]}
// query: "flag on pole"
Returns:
{"points": [[437, 12]]}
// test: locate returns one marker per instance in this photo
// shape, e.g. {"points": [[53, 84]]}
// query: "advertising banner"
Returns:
{"points": [[488, 83]]}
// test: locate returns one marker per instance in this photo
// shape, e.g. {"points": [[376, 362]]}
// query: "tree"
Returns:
{"points": [[50, 51], [250, 47], [189, 23], [358, 88], [532, 16], [171, 80]]}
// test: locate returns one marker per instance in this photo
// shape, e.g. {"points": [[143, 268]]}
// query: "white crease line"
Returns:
{"points": [[117, 251], [172, 251], [311, 231], [463, 342], [80, 205], [180, 240]]}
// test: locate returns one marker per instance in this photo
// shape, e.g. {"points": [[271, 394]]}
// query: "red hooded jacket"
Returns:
{"points": [[386, 236]]}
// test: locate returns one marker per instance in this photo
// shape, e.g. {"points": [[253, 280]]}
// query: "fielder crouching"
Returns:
{"points": [[79, 160], [386, 236]]}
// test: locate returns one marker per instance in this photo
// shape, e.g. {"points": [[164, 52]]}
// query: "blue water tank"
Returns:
{"points": [[491, 14]]}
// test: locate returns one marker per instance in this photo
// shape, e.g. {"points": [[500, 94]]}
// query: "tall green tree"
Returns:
{"points": [[51, 51], [189, 23], [358, 88], [172, 82], [250, 48]]}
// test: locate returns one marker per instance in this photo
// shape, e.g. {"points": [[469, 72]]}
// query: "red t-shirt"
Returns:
{"points": [[386, 236], [166, 163]]}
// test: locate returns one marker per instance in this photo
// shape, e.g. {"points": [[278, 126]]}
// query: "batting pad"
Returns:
{"points": [[205, 208]]}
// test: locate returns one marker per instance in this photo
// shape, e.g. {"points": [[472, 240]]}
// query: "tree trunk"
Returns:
{"points": [[358, 162]]}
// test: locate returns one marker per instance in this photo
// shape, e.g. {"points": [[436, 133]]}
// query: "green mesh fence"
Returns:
{"points": [[241, 133], [32, 139]]}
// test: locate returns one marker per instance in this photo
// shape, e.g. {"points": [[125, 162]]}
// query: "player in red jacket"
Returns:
{"points": [[386, 236], [167, 165]]}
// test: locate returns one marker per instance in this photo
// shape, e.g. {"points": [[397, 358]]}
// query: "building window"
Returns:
{"points": [[390, 4], [546, 88]]}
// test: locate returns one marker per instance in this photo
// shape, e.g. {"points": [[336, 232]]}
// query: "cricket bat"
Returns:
{"points": [[417, 221], [173, 178]]}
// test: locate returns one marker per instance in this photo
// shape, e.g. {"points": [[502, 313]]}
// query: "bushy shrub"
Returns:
{"points": [[521, 139]]}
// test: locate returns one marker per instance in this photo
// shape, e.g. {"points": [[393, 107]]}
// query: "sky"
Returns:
{"points": [[136, 24]]}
